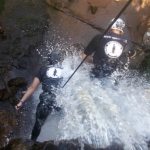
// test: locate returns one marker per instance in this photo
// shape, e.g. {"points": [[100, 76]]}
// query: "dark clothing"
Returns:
{"points": [[111, 52], [44, 108], [50, 78]]}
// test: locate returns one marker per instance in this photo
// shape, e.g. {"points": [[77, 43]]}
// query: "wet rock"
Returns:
{"points": [[59, 5], [18, 82], [69, 145], [18, 144], [25, 25], [5, 61], [14, 86], [25, 144], [2, 34], [29, 60], [13, 100], [56, 3], [50, 146], [14, 144], [7, 126], [93, 9], [4, 94], [47, 145], [98, 3], [72, 0]]}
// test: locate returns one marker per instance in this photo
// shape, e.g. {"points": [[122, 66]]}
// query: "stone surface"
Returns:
{"points": [[14, 85], [4, 94], [24, 144], [24, 24], [7, 126], [99, 3]]}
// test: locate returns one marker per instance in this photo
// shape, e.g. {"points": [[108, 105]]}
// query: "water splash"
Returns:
{"points": [[98, 112]]}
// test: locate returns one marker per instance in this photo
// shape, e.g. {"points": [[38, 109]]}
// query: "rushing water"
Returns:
{"points": [[99, 112]]}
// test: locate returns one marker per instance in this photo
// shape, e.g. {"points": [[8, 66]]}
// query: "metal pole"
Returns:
{"points": [[75, 70]]}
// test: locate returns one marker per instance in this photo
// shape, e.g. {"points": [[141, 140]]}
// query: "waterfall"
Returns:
{"points": [[99, 112]]}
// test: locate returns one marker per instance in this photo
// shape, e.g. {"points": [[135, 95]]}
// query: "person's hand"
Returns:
{"points": [[19, 105]]}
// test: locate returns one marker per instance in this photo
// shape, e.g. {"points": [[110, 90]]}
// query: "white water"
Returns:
{"points": [[99, 113]]}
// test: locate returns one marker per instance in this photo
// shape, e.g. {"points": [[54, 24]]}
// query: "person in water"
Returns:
{"points": [[50, 76], [111, 52]]}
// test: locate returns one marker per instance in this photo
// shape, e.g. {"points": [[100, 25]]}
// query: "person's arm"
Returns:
{"points": [[28, 93], [133, 55], [90, 48], [130, 49], [89, 59]]}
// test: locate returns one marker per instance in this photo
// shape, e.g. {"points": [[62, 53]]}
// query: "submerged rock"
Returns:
{"points": [[14, 85], [7, 126], [25, 144], [18, 82], [4, 94]]}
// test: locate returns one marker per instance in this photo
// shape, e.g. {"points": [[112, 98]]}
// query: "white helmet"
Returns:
{"points": [[119, 24]]}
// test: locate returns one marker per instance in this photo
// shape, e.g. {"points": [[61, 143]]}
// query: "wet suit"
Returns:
{"points": [[50, 77], [110, 53]]}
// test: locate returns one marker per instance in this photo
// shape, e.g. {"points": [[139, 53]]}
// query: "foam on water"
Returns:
{"points": [[98, 112]]}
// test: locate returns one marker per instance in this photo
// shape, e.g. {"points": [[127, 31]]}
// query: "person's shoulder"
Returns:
{"points": [[42, 69], [97, 36]]}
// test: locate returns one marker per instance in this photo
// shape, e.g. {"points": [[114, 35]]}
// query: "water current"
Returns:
{"points": [[97, 111], [100, 112]]}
